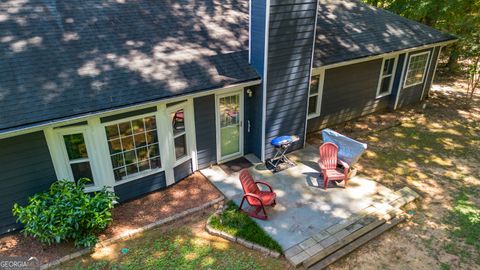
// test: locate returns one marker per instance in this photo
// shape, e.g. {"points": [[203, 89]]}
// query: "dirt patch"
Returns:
{"points": [[434, 148], [191, 192]]}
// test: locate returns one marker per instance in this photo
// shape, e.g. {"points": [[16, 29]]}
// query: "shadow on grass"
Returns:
{"points": [[176, 246]]}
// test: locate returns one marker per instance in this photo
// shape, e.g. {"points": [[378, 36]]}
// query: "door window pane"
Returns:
{"points": [[230, 140], [229, 109], [137, 149]]}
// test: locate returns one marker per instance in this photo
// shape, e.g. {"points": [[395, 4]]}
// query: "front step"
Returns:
{"points": [[356, 244], [327, 242]]}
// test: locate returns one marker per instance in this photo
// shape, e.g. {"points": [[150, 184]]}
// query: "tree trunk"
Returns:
{"points": [[453, 60]]}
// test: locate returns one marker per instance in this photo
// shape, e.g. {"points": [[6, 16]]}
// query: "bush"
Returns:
{"points": [[65, 213]]}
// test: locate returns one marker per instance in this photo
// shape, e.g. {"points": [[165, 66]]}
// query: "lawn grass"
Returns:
{"points": [[178, 246], [241, 225]]}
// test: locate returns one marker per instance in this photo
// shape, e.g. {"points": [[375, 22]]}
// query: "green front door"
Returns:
{"points": [[230, 125]]}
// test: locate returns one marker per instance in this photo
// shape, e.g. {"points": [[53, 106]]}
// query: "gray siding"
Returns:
{"points": [[140, 187], [428, 83], [411, 95], [290, 45], [26, 169], [253, 122], [205, 130], [349, 92], [183, 170]]}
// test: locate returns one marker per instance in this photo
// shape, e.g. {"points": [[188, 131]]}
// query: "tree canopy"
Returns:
{"points": [[458, 17]]}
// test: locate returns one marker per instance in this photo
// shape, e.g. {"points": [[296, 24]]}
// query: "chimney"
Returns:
{"points": [[282, 35]]}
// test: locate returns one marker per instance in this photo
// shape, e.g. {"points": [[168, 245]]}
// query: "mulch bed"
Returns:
{"points": [[191, 192]]}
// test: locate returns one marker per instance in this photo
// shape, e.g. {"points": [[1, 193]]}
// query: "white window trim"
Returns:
{"points": [[189, 136], [60, 158], [319, 94], [139, 174], [99, 152], [410, 56], [382, 77]]}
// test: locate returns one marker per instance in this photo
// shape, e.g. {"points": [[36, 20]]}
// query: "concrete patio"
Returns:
{"points": [[306, 213]]}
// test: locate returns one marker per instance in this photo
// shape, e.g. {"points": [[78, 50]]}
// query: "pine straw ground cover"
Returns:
{"points": [[191, 192], [436, 151]]}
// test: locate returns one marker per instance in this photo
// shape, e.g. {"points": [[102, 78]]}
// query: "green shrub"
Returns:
{"points": [[66, 213]]}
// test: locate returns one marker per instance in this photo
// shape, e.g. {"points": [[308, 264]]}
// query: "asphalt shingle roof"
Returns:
{"points": [[350, 29], [65, 58], [60, 59]]}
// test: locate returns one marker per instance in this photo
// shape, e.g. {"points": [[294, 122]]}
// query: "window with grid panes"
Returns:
{"points": [[133, 147]]}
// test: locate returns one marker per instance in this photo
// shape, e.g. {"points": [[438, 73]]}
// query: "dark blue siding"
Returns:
{"points": [[139, 187], [397, 84], [349, 92], [183, 170], [431, 72], [26, 169], [290, 45], [257, 32], [205, 130], [253, 119]]}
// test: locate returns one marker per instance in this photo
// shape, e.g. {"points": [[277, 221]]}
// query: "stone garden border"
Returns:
{"points": [[238, 240]]}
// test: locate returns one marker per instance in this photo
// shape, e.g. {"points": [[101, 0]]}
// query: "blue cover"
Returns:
{"points": [[279, 141], [349, 150]]}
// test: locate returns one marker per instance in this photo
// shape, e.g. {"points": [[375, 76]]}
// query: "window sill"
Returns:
{"points": [[181, 160], [412, 85], [313, 115], [383, 95], [92, 189], [138, 176]]}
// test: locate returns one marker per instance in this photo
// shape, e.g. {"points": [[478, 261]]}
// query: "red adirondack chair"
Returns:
{"points": [[255, 197], [329, 162]]}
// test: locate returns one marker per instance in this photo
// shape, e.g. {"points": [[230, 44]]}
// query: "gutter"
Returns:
{"points": [[377, 56], [66, 120]]}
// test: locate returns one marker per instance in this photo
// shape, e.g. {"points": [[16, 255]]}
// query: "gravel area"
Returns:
{"points": [[191, 192]]}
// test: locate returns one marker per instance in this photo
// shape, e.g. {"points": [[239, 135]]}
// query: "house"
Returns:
{"points": [[137, 95]]}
